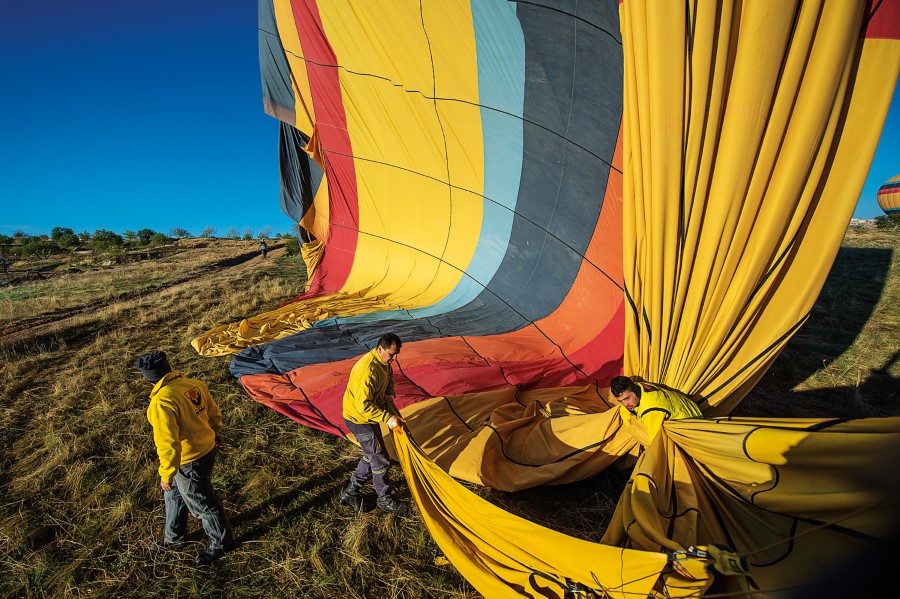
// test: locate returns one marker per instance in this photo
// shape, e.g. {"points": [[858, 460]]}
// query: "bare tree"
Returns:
{"points": [[180, 232]]}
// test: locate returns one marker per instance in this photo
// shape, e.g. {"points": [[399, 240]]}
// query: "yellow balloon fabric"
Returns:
{"points": [[512, 440], [796, 497], [749, 128], [502, 555]]}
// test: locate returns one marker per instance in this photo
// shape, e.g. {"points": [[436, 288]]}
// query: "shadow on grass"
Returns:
{"points": [[284, 507], [846, 303], [878, 395]]}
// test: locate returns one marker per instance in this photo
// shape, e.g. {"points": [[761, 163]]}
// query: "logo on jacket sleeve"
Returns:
{"points": [[195, 397]]}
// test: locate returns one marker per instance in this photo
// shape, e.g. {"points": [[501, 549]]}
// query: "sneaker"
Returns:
{"points": [[350, 496], [160, 545], [211, 555], [389, 504]]}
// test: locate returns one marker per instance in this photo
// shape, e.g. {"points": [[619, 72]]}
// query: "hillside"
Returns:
{"points": [[80, 499]]}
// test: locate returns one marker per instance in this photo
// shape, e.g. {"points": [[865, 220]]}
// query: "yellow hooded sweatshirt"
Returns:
{"points": [[185, 421], [656, 405], [370, 391]]}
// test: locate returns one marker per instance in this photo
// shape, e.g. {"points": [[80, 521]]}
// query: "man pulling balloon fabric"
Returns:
{"points": [[652, 404], [187, 426], [369, 401]]}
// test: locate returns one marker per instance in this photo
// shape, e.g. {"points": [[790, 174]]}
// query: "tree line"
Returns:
{"points": [[64, 239]]}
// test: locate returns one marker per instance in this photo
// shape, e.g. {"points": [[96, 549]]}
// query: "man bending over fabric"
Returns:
{"points": [[187, 425], [369, 401], [652, 404]]}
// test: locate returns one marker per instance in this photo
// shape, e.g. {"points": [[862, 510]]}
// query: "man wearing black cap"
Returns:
{"points": [[186, 426]]}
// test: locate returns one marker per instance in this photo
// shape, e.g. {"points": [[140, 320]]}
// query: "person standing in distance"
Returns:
{"points": [[187, 426], [369, 401]]}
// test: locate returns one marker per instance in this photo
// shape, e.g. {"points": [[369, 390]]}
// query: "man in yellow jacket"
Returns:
{"points": [[369, 401], [652, 404], [186, 425]]}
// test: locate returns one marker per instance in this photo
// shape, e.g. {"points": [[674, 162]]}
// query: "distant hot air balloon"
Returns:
{"points": [[889, 196]]}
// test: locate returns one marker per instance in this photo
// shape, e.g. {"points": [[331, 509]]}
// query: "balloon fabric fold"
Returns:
{"points": [[539, 196]]}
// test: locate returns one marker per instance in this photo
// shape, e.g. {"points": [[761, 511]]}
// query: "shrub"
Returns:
{"points": [[159, 239], [889, 222], [105, 241], [146, 235], [58, 232], [68, 241], [180, 233], [39, 248], [208, 232], [291, 245]]}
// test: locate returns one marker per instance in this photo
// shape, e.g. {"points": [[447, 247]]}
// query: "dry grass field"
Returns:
{"points": [[79, 496]]}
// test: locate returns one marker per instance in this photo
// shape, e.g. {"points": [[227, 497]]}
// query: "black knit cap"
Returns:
{"points": [[153, 365]]}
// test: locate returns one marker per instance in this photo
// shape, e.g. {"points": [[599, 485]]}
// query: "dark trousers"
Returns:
{"points": [[193, 492], [375, 461]]}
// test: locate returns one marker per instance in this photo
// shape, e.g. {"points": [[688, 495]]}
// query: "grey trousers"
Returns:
{"points": [[193, 492], [375, 461]]}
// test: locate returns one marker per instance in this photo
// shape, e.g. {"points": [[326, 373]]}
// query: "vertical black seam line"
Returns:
{"points": [[868, 18], [673, 500], [429, 394], [450, 186], [634, 310], [570, 15], [758, 357], [518, 215], [517, 398], [647, 324], [787, 552], [559, 183], [721, 522], [687, 91]]}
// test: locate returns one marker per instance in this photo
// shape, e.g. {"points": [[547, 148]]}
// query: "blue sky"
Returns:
{"points": [[124, 115], [119, 115]]}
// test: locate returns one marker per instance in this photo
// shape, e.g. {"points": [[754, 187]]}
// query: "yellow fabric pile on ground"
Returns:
{"points": [[795, 497]]}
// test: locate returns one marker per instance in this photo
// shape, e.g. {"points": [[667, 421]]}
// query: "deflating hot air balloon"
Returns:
{"points": [[889, 196], [538, 196]]}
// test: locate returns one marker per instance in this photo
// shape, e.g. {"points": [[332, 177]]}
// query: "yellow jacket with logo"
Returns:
{"points": [[658, 405], [185, 421], [370, 391]]}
